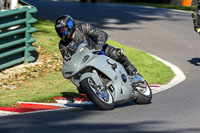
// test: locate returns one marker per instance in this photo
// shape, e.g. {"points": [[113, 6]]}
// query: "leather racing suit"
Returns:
{"points": [[96, 40]]}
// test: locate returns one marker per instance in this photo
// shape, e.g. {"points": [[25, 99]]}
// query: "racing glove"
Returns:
{"points": [[99, 47]]}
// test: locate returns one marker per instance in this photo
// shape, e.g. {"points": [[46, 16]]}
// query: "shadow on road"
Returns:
{"points": [[103, 15], [195, 61], [89, 105], [72, 120]]}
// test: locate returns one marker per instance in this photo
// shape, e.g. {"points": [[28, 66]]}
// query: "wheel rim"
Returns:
{"points": [[102, 93]]}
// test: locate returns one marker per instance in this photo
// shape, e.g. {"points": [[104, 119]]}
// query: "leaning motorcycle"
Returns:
{"points": [[104, 80]]}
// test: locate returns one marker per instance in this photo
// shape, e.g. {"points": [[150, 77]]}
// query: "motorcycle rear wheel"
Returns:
{"points": [[101, 98], [144, 93]]}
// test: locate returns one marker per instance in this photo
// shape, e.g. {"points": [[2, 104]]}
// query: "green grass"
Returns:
{"points": [[42, 89], [163, 6], [46, 36], [46, 87], [153, 70]]}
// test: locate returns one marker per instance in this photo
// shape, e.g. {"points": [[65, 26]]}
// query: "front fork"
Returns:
{"points": [[97, 75], [103, 86]]}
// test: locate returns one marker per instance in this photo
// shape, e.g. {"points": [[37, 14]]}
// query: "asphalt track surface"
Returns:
{"points": [[165, 33]]}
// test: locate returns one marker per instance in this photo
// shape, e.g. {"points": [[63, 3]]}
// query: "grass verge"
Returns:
{"points": [[49, 82]]}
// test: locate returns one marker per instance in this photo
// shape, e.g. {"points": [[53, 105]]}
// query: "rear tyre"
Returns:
{"points": [[144, 93], [100, 96]]}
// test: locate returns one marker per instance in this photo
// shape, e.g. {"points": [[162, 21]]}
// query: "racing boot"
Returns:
{"points": [[130, 69], [136, 78]]}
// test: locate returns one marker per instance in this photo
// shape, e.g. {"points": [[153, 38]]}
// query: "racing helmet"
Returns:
{"points": [[65, 27]]}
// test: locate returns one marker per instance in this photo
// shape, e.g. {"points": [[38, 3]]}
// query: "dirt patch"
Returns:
{"points": [[19, 69], [12, 77]]}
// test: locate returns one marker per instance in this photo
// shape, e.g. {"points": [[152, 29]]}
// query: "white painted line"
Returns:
{"points": [[67, 106], [50, 104], [179, 76], [63, 101], [4, 113]]}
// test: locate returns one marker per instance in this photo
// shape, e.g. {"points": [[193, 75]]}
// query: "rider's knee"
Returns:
{"points": [[114, 53]]}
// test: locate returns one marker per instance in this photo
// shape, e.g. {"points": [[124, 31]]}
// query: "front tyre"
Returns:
{"points": [[144, 93], [99, 95]]}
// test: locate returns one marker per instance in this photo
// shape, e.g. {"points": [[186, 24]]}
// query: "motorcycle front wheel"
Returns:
{"points": [[99, 95]]}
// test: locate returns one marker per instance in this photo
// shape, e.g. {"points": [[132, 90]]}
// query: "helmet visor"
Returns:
{"points": [[64, 31]]}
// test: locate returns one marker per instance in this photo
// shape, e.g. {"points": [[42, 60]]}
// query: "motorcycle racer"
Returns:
{"points": [[72, 34], [196, 18]]}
